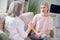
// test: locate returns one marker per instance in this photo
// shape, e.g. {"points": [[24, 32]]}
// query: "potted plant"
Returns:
{"points": [[32, 7]]}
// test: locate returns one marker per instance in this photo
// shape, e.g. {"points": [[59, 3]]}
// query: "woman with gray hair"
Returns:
{"points": [[14, 26]]}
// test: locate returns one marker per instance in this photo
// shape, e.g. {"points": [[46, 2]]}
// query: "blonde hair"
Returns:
{"points": [[46, 4]]}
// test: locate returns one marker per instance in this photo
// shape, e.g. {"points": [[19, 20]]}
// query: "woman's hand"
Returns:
{"points": [[30, 25], [38, 35]]}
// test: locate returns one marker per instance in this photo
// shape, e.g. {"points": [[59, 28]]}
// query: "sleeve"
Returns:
{"points": [[20, 28], [22, 32], [34, 20], [13, 32], [51, 26]]}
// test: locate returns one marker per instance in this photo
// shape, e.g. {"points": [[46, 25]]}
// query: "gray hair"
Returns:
{"points": [[15, 8]]}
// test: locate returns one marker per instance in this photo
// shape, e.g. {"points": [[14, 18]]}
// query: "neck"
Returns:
{"points": [[45, 14], [20, 14], [12, 15]]}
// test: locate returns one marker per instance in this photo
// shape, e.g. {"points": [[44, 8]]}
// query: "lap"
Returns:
{"points": [[44, 36], [33, 37]]}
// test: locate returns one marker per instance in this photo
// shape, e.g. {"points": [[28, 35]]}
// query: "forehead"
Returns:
{"points": [[43, 6]]}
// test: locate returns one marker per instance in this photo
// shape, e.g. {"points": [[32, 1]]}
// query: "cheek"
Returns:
{"points": [[42, 9], [46, 8]]}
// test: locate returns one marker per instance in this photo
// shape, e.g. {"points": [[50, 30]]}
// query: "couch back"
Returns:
{"points": [[2, 18], [27, 17]]}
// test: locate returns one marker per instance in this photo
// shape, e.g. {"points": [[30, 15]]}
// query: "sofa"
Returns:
{"points": [[2, 34], [26, 17]]}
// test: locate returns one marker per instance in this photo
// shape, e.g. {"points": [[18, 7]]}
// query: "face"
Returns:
{"points": [[43, 9]]}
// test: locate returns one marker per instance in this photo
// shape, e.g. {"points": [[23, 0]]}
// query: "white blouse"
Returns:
{"points": [[14, 27]]}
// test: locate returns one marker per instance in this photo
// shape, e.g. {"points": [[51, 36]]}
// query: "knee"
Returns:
{"points": [[32, 37], [44, 36]]}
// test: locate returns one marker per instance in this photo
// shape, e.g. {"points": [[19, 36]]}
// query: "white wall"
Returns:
{"points": [[3, 5]]}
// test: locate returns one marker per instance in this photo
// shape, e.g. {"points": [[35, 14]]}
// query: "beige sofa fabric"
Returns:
{"points": [[2, 18], [27, 17]]}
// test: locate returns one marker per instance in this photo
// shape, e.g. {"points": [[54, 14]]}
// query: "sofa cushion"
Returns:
{"points": [[2, 18], [27, 17]]}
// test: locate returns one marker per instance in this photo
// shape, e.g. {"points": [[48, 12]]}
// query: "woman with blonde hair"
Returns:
{"points": [[14, 26], [42, 23]]}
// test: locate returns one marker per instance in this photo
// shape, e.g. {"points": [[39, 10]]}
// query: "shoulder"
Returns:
{"points": [[7, 17], [9, 20], [37, 15], [50, 18]]}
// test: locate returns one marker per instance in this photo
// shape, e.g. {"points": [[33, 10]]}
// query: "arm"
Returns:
{"points": [[11, 28], [32, 27], [47, 32], [33, 24], [50, 27], [40, 33], [28, 29], [20, 29]]}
